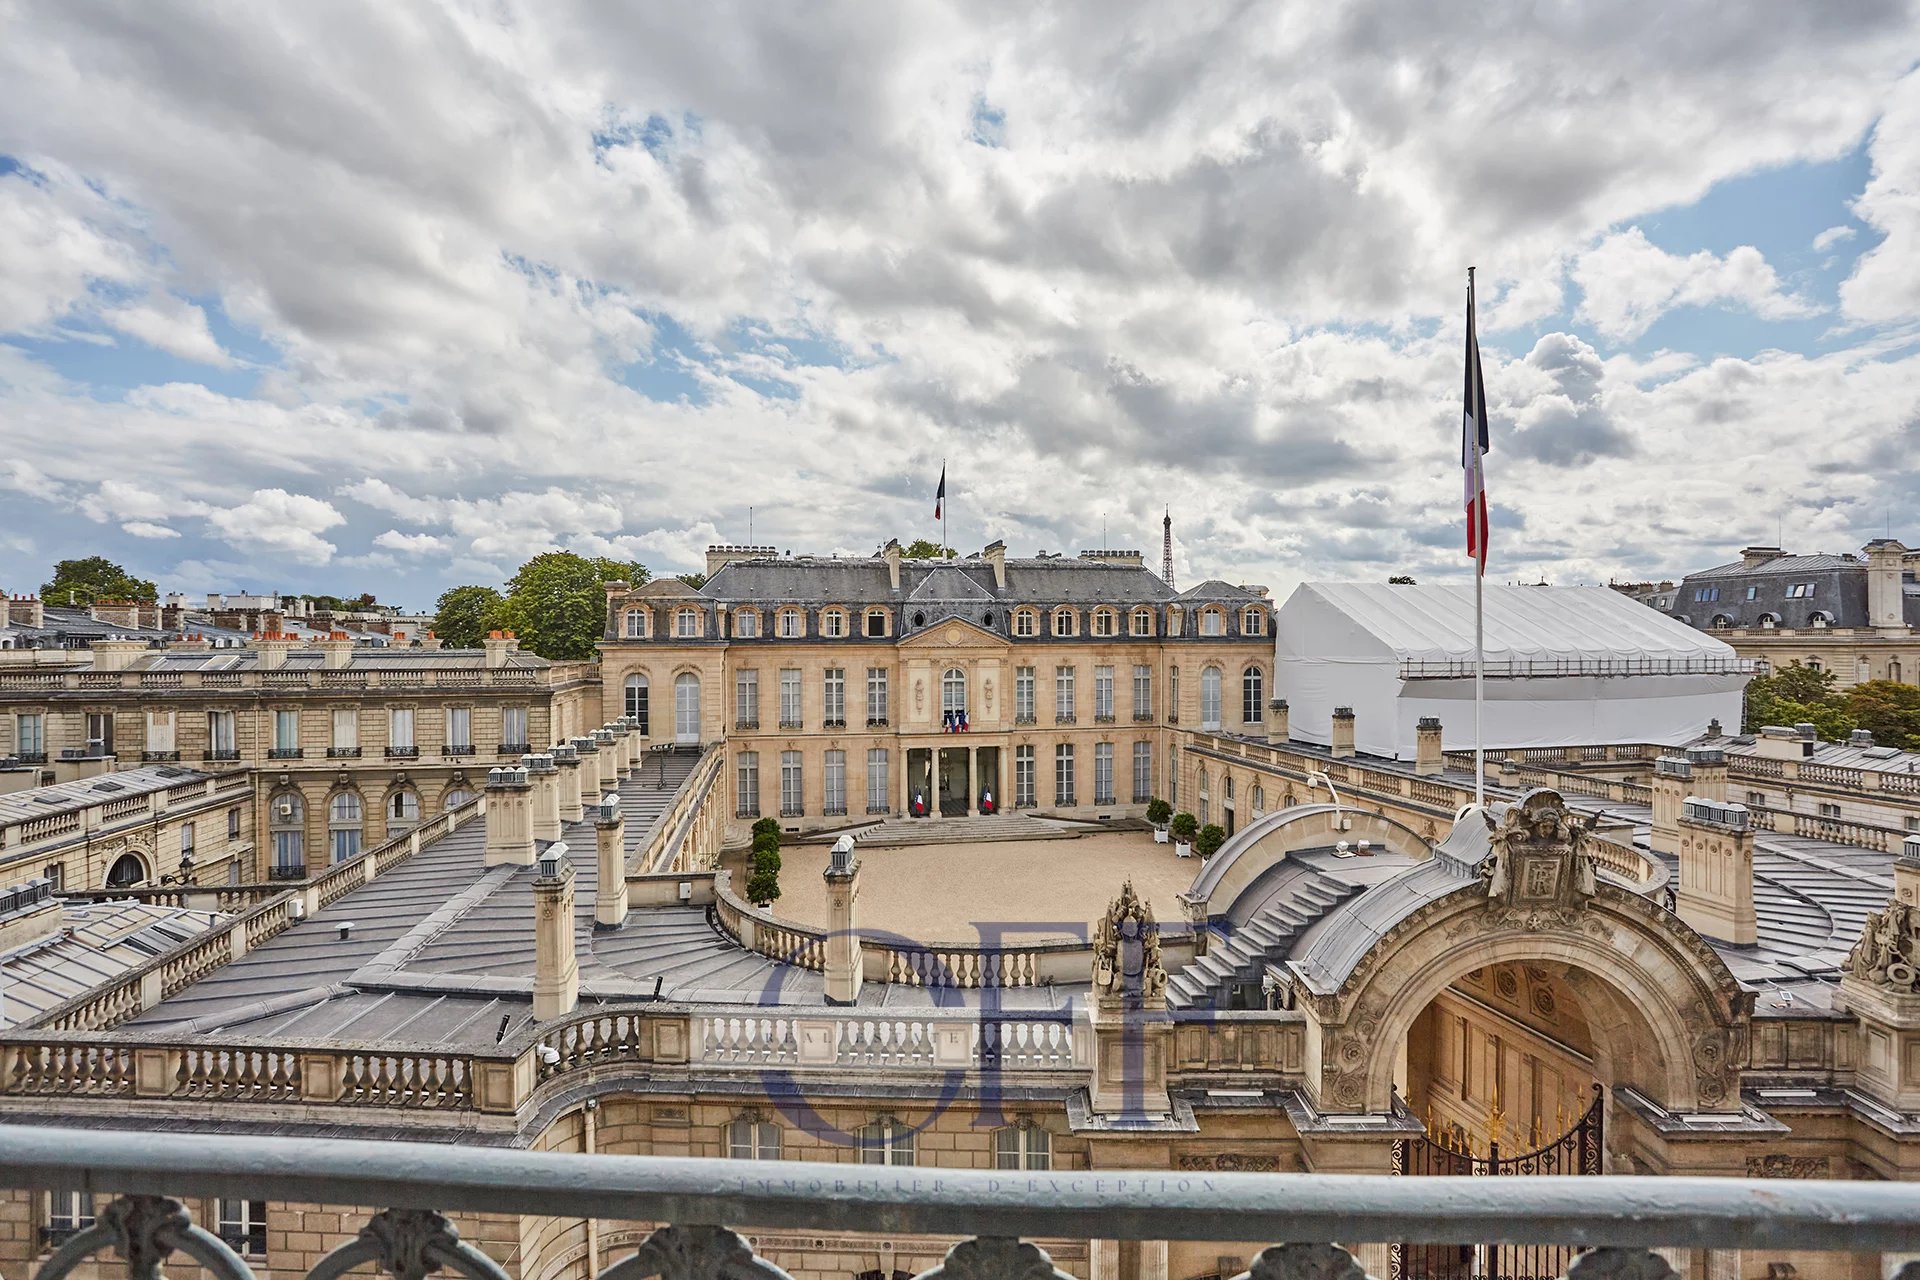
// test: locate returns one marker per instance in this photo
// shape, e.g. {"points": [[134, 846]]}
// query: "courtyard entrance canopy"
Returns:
{"points": [[1565, 666]]}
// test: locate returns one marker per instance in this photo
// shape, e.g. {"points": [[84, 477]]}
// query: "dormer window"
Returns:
{"points": [[1064, 622], [833, 622], [1105, 622], [1801, 590], [1173, 620], [634, 625], [746, 623], [1253, 622], [876, 622], [1142, 622], [686, 623], [1213, 622], [1026, 622], [790, 624]]}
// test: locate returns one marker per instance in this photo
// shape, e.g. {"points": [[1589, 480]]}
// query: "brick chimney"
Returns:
{"points": [[429, 641], [1885, 564], [26, 611], [498, 645], [1279, 730], [1429, 756], [336, 651], [1716, 870], [192, 642], [509, 817], [1342, 744], [121, 613], [556, 969], [1753, 557]]}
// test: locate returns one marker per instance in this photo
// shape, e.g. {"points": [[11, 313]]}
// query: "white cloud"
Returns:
{"points": [[1885, 285], [172, 325], [289, 523], [413, 544], [148, 529], [1833, 236], [1628, 283]]}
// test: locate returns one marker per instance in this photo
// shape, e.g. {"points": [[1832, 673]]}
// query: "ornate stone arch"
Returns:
{"points": [[1668, 1017]]}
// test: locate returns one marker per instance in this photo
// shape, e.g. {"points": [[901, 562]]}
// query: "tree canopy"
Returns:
{"points": [[463, 615], [1797, 694], [557, 603], [84, 582], [925, 549]]}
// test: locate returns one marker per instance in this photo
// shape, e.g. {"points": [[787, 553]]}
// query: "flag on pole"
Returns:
{"points": [[1473, 447], [940, 494]]}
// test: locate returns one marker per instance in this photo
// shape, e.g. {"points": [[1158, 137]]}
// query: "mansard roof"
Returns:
{"points": [[1043, 580]]}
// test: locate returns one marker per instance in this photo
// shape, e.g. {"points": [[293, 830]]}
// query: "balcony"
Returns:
{"points": [[1106, 719], [1059, 718], [834, 724], [159, 757], [1142, 717], [791, 724], [403, 753], [30, 757], [284, 753], [343, 753], [287, 871], [1504, 1225], [876, 723], [835, 811], [514, 748], [457, 749], [795, 812], [1028, 718], [747, 811], [1142, 797], [745, 723], [222, 755]]}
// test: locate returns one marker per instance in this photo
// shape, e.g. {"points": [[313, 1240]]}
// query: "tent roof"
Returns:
{"points": [[1523, 624]]}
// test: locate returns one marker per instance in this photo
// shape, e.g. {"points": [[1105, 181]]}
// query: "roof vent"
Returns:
{"points": [[1860, 738]]}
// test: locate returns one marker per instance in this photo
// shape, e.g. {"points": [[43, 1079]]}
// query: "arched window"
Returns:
{"points": [[287, 828], [1820, 618], [1253, 703], [877, 622], [1026, 622], [1105, 622], [833, 623], [1210, 698], [686, 623], [345, 819], [790, 624], [637, 700], [403, 811], [1894, 670], [454, 799], [746, 623], [1142, 622], [127, 870], [1813, 664], [953, 691], [636, 624], [1213, 622], [1063, 622], [1720, 621], [1253, 621], [1768, 621], [1259, 799], [686, 708], [1174, 616]]}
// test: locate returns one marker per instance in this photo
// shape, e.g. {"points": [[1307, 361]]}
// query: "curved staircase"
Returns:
{"points": [[1244, 954]]}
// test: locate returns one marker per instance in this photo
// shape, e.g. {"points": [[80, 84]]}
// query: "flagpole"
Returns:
{"points": [[1479, 624], [943, 513]]}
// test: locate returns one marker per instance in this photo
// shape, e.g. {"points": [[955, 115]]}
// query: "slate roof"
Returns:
{"points": [[61, 797], [97, 943], [1038, 580]]}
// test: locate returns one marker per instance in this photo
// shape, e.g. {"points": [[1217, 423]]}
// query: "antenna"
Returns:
{"points": [[749, 526], [1166, 547]]}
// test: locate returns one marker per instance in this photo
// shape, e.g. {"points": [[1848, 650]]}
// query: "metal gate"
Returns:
{"points": [[1579, 1151]]}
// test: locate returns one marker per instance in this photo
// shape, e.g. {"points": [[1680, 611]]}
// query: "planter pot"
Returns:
{"points": [[1159, 835], [1183, 848]]}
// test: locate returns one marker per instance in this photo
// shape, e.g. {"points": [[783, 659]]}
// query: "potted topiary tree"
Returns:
{"points": [[1158, 812], [1210, 838], [1183, 827], [763, 866]]}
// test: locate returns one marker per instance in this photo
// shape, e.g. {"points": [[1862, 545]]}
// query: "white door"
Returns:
{"points": [[686, 709]]}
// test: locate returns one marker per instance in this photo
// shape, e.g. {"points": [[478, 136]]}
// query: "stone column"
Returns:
{"points": [[610, 755], [567, 787], [843, 958], [1342, 742], [589, 779], [556, 974], [1429, 758], [973, 779], [1279, 732], [610, 890], [509, 818], [545, 777], [1716, 870]]}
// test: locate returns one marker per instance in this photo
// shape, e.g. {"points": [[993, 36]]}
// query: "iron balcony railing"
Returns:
{"points": [[1618, 1220]]}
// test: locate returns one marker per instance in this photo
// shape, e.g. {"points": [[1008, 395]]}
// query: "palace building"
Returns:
{"points": [[856, 687]]}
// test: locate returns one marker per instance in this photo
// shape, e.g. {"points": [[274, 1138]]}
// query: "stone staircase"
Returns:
{"points": [[986, 828], [1246, 953], [650, 792]]}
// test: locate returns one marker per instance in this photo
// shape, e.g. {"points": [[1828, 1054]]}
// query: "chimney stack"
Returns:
{"points": [[336, 651], [1342, 744], [26, 611], [556, 969], [566, 760], [1753, 557], [116, 655], [611, 756], [995, 555], [610, 889], [1429, 756], [1885, 570], [1279, 730], [1716, 870], [589, 780], [544, 777], [843, 962], [891, 554], [498, 645], [509, 817], [273, 649]]}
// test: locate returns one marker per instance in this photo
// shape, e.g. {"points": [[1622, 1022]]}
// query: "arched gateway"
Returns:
{"points": [[1517, 885]]}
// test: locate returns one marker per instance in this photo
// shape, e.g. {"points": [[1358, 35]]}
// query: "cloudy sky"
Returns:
{"points": [[371, 296]]}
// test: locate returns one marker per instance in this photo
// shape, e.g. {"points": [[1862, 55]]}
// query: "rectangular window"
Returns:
{"points": [[1913, 823], [1022, 1147], [836, 691], [459, 728], [1830, 811], [1063, 775], [286, 730], [242, 1224], [879, 770], [68, 1214], [1173, 695], [346, 729], [1023, 777], [1063, 695], [1023, 695], [876, 696], [513, 729], [790, 697], [30, 734], [636, 625], [1756, 799], [1103, 694], [160, 732], [400, 728], [233, 824], [746, 699], [99, 733], [1103, 773], [186, 839], [876, 623], [220, 741], [1142, 772], [1142, 692], [1253, 696], [1752, 592], [835, 766], [753, 1140], [886, 1142], [792, 799], [746, 779]]}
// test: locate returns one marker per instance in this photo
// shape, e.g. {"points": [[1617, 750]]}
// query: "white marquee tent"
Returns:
{"points": [[1565, 666]]}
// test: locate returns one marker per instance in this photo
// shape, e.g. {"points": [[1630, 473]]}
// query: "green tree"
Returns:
{"points": [[84, 582], [1889, 709], [694, 580], [463, 615], [763, 879], [1184, 827], [1797, 694], [557, 602], [1207, 840], [923, 549]]}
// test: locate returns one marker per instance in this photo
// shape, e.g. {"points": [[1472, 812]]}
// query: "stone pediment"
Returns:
{"points": [[954, 633]]}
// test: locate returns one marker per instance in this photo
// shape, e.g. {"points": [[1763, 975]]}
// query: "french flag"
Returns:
{"points": [[940, 494], [1473, 446]]}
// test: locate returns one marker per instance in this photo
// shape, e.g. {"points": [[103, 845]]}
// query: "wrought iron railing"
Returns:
{"points": [[1617, 1220]]}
